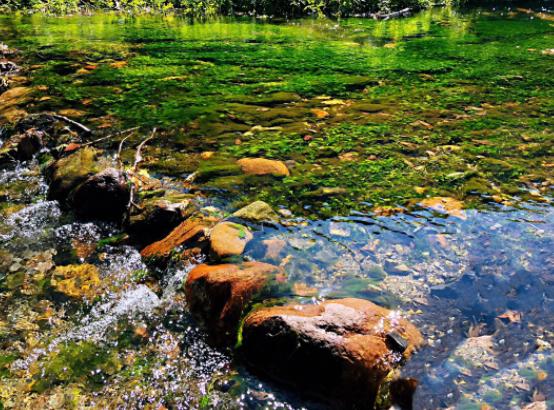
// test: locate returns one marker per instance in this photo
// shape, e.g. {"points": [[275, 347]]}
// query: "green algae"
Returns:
{"points": [[468, 119]]}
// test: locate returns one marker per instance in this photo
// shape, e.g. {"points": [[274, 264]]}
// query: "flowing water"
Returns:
{"points": [[421, 153]]}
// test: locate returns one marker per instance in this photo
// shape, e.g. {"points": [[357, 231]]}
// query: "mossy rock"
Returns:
{"points": [[71, 171], [208, 172]]}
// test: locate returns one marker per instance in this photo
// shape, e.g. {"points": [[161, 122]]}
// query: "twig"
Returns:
{"points": [[110, 136], [118, 156], [135, 167], [81, 126], [138, 158]]}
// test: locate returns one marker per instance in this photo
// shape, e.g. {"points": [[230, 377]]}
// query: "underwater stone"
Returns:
{"points": [[217, 295], [261, 166], [257, 211], [337, 350]]}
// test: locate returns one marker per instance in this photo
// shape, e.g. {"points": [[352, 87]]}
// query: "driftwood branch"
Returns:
{"points": [[138, 158], [75, 123], [118, 156], [110, 136]]}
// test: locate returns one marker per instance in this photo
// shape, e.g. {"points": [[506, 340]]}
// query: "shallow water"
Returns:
{"points": [[452, 103]]}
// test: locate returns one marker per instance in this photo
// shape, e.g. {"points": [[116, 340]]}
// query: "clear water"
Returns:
{"points": [[477, 280]]}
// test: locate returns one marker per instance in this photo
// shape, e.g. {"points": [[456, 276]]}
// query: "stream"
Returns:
{"points": [[421, 154]]}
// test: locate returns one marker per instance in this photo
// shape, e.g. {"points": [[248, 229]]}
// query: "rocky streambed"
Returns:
{"points": [[341, 351], [283, 219]]}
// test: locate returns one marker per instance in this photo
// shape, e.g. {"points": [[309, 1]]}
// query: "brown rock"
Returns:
{"points": [[340, 351], [217, 295], [190, 231], [228, 239], [260, 166], [104, 195]]}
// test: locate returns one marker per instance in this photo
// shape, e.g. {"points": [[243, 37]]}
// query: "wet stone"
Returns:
{"points": [[69, 172], [191, 233], [257, 211], [228, 239], [218, 294], [105, 195], [261, 166], [338, 350]]}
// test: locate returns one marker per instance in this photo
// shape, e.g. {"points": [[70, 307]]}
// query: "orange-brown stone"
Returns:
{"points": [[228, 239], [191, 230], [261, 166], [340, 350], [217, 295]]}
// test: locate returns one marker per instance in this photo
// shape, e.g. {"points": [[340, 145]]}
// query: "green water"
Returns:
{"points": [[452, 103]]}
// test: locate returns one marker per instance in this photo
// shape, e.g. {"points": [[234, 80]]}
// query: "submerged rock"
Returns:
{"points": [[257, 211], [217, 295], [274, 248], [75, 281], [338, 350], [228, 239], [104, 195], [261, 166]]}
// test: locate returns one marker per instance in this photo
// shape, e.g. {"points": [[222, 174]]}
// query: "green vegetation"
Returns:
{"points": [[213, 7], [365, 119]]}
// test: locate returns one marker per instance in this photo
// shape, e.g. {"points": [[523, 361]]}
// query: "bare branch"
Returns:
{"points": [[138, 158], [75, 123]]}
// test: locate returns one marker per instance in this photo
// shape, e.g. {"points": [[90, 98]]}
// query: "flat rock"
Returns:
{"points": [[228, 239], [261, 166], [104, 195], [257, 211], [340, 351], [217, 295]]}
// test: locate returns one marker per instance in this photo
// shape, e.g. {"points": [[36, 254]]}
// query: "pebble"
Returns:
{"points": [[542, 345]]}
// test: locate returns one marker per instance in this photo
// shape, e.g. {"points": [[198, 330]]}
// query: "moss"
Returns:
{"points": [[205, 173], [77, 361]]}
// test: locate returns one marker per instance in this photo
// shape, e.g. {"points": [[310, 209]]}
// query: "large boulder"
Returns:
{"points": [[68, 173], [217, 295], [190, 233], [257, 211], [340, 350], [261, 166], [105, 195], [228, 239]]}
